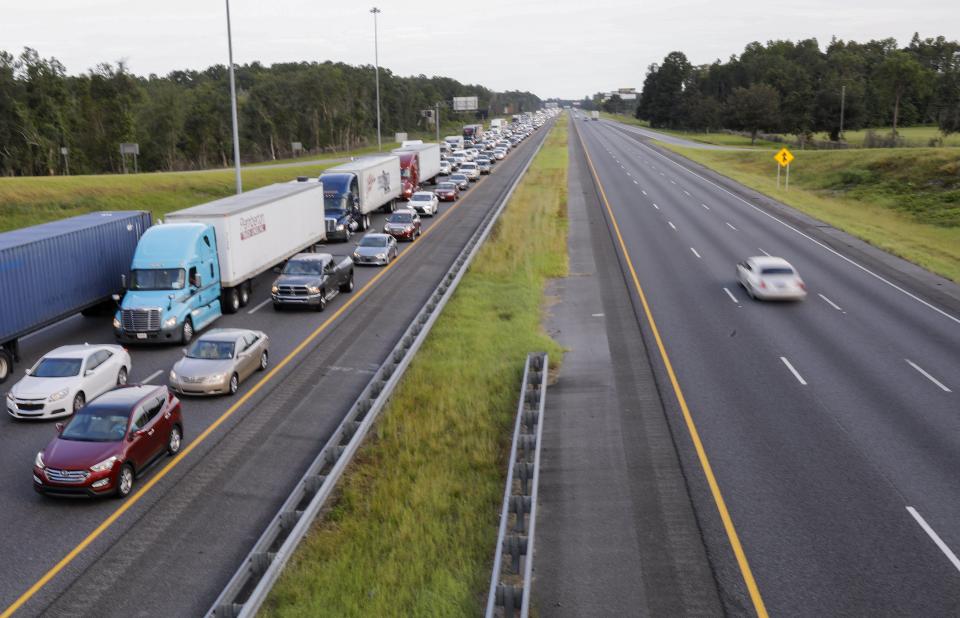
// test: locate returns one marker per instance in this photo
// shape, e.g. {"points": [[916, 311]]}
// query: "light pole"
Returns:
{"points": [[843, 98], [376, 64], [233, 107]]}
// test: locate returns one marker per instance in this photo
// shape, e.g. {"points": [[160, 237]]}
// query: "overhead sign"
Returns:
{"points": [[464, 104], [784, 157], [129, 148]]}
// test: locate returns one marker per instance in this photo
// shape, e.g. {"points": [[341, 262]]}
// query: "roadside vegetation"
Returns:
{"points": [[905, 201], [413, 531]]}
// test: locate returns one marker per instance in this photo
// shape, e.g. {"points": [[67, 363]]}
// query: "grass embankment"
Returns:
{"points": [[906, 202], [911, 137], [414, 529], [716, 139], [33, 200]]}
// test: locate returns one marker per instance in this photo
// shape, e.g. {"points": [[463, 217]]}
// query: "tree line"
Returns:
{"points": [[797, 88], [182, 120]]}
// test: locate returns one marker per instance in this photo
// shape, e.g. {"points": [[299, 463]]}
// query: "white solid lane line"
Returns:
{"points": [[952, 557], [672, 225], [260, 306], [731, 227], [150, 377], [763, 252], [732, 297], [795, 373], [928, 376], [705, 206], [830, 302], [695, 253]]}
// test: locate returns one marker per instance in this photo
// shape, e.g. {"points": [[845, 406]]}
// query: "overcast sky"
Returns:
{"points": [[552, 48]]}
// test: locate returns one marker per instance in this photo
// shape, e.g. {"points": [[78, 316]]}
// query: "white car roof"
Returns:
{"points": [[82, 351], [766, 260], [422, 193]]}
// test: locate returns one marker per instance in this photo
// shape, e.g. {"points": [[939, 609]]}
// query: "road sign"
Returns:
{"points": [[464, 104], [784, 157]]}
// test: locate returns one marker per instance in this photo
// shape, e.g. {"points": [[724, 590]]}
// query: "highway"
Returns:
{"points": [[171, 548], [831, 426]]}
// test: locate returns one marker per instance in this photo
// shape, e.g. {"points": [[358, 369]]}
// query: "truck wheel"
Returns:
{"points": [[6, 365], [231, 301], [323, 301], [366, 222], [348, 286], [245, 293], [186, 333]]}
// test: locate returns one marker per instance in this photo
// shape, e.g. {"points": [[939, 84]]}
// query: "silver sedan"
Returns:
{"points": [[217, 361], [378, 249]]}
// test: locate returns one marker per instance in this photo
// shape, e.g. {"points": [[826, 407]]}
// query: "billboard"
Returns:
{"points": [[464, 104]]}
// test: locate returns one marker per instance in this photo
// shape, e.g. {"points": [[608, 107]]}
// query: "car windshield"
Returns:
{"points": [[157, 279], [421, 198], [469, 166], [211, 350], [777, 270], [57, 368], [303, 267], [446, 186], [400, 217], [373, 241], [95, 424]]}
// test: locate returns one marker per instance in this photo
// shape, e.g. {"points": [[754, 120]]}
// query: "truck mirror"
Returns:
{"points": [[123, 282], [115, 297]]}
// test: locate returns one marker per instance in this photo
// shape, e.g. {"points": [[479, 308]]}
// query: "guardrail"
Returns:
{"points": [[248, 588], [510, 590]]}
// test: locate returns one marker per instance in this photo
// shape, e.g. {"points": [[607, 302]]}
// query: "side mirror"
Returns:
{"points": [[115, 297], [123, 282], [28, 372], [184, 351], [277, 269], [59, 427], [88, 372]]}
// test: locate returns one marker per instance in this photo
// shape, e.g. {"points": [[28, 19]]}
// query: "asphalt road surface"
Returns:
{"points": [[176, 546], [832, 426]]}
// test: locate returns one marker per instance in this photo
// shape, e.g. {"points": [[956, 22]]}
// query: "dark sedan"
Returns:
{"points": [[460, 180], [403, 225], [447, 192]]}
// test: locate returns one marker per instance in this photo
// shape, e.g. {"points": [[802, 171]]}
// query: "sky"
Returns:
{"points": [[558, 48]]}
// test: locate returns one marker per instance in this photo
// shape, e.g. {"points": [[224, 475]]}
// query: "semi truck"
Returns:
{"points": [[201, 262], [51, 271], [472, 131], [355, 189], [419, 164]]}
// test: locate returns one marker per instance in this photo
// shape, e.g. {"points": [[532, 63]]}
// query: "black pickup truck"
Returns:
{"points": [[312, 280]]}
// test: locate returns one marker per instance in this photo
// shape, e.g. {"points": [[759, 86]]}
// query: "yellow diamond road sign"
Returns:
{"points": [[784, 157]]}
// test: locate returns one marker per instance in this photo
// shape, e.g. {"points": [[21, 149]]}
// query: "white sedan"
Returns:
{"points": [[424, 202], [65, 379], [770, 278]]}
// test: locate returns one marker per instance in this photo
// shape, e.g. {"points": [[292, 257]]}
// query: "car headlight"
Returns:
{"points": [[60, 394], [274, 290], [313, 289], [104, 465], [170, 322], [340, 227], [116, 323], [38, 460], [173, 375], [218, 377], [356, 255], [10, 397], [381, 256]]}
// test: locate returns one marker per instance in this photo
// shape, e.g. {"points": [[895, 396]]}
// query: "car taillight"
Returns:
{"points": [[763, 284], [802, 285]]}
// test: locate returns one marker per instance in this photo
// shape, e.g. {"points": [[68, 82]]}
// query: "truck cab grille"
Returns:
{"points": [[293, 290], [140, 320]]}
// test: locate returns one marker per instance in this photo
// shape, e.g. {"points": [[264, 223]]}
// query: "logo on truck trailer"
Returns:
{"points": [[382, 181], [251, 226]]}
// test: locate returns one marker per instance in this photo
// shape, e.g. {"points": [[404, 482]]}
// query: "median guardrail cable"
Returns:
{"points": [[248, 588], [510, 587]]}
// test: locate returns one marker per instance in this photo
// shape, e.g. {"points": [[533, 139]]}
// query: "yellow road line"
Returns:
{"points": [[687, 417], [133, 499]]}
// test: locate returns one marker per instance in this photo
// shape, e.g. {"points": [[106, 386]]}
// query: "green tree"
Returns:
{"points": [[898, 75], [754, 109]]}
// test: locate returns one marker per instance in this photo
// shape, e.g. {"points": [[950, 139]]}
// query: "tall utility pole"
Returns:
{"points": [[233, 107], [436, 120], [376, 64], [843, 97]]}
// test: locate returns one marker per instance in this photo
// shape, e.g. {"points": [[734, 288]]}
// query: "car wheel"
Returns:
{"points": [[78, 400], [264, 360], [186, 333], [348, 286], [5, 364], [323, 301], [122, 377], [244, 294], [125, 481], [175, 441], [277, 307], [234, 384]]}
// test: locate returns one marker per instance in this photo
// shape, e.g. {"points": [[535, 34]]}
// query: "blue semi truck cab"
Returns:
{"points": [[341, 202], [174, 286]]}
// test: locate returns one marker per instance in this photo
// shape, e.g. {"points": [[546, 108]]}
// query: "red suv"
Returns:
{"points": [[110, 442]]}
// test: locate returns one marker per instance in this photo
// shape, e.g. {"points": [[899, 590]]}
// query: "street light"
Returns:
{"points": [[376, 64], [233, 107]]}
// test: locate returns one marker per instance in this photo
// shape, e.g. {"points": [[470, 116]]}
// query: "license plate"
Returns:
{"points": [[141, 335]]}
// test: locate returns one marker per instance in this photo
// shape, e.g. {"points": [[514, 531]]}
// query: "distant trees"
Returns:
{"points": [[182, 120], [797, 88]]}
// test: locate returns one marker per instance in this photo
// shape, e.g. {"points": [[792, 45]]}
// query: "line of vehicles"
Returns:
{"points": [[167, 282]]}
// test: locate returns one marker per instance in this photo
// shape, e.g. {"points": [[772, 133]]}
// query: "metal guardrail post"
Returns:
{"points": [[520, 498], [248, 588]]}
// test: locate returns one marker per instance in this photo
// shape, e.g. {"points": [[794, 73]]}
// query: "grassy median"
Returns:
{"points": [[413, 531], [905, 201]]}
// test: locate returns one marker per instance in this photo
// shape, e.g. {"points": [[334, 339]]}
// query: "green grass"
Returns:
{"points": [[33, 200], [414, 529], [905, 201], [717, 139], [913, 137]]}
